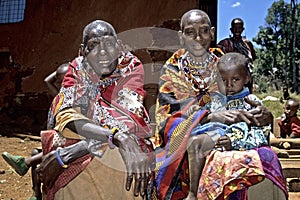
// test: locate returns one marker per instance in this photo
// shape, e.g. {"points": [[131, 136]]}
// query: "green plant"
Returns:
{"points": [[276, 107]]}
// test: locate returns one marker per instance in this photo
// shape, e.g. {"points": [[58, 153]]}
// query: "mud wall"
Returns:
{"points": [[51, 34]]}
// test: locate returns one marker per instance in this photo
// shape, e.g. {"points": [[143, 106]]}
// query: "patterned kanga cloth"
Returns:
{"points": [[180, 86], [226, 172], [272, 168], [227, 175], [242, 46]]}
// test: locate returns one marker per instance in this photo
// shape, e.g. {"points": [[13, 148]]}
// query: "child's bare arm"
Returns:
{"points": [[50, 80]]}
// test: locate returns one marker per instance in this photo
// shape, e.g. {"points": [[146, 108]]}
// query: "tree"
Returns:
{"points": [[279, 44], [293, 50]]}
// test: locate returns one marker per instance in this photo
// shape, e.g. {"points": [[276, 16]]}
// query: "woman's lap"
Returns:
{"points": [[104, 178]]}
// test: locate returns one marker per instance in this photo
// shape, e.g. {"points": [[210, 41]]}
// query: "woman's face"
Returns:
{"points": [[103, 54], [197, 34], [102, 51]]}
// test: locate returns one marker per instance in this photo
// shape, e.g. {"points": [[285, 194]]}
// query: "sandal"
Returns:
{"points": [[16, 162], [34, 198]]}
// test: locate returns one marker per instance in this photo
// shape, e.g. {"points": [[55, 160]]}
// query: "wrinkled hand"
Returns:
{"points": [[137, 163], [49, 170], [231, 116], [261, 115], [224, 142]]}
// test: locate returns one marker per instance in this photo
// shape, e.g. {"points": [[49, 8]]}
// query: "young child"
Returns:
{"points": [[54, 80], [233, 69], [234, 73], [289, 123], [20, 164]]}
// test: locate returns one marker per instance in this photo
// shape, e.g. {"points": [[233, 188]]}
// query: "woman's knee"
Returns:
{"points": [[35, 152], [199, 142]]}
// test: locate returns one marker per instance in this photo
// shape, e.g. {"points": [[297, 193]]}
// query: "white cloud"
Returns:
{"points": [[236, 4]]}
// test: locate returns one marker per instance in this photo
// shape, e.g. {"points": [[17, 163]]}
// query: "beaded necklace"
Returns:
{"points": [[198, 65], [196, 73]]}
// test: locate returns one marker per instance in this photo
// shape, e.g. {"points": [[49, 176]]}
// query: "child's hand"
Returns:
{"points": [[192, 109], [223, 143]]}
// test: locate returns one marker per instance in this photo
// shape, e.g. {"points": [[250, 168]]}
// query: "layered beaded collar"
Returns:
{"points": [[198, 74], [196, 64]]}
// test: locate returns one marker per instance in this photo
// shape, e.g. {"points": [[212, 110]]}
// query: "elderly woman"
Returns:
{"points": [[189, 78], [100, 102]]}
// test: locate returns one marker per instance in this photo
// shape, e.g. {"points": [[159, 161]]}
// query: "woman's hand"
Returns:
{"points": [[49, 170], [224, 142], [138, 164], [261, 115], [231, 116]]}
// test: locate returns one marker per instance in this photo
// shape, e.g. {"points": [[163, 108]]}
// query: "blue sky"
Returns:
{"points": [[253, 12]]}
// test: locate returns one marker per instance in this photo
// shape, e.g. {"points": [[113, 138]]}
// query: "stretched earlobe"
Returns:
{"points": [[81, 51], [212, 38], [212, 33], [121, 45], [181, 42]]}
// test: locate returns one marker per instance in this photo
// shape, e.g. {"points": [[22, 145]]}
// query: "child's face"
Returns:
{"points": [[290, 109], [234, 78]]}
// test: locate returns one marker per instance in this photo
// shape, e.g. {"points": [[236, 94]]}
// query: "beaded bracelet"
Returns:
{"points": [[111, 138], [59, 160]]}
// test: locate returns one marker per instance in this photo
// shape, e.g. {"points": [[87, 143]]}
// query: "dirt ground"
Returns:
{"points": [[14, 187]]}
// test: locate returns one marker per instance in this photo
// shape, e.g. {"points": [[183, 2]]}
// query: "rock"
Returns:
{"points": [[3, 181], [286, 145], [270, 98]]}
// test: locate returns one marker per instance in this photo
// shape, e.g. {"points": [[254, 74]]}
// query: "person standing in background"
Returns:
{"points": [[236, 43]]}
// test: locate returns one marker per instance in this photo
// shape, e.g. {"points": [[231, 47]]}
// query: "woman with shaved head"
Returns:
{"points": [[184, 138]]}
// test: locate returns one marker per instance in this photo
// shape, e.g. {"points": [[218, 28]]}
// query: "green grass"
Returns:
{"points": [[276, 107]]}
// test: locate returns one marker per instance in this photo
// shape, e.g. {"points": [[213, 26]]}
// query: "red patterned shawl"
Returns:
{"points": [[116, 101]]}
